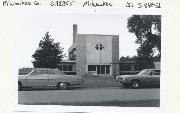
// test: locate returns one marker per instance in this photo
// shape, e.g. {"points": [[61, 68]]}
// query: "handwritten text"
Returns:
{"points": [[20, 3], [143, 5], [91, 3]]}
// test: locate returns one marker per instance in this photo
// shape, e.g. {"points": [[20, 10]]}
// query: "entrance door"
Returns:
{"points": [[103, 69], [98, 70]]}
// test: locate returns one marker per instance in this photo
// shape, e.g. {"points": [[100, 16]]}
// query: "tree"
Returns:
{"points": [[127, 58], [147, 29], [49, 54]]}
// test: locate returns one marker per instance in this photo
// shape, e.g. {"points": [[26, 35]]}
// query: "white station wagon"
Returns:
{"points": [[48, 77]]}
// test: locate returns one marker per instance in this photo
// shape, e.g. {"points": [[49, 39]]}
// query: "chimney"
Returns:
{"points": [[74, 32]]}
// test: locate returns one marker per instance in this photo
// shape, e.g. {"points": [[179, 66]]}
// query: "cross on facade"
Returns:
{"points": [[99, 46]]}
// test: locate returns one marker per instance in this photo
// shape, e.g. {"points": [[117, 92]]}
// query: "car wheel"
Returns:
{"points": [[135, 84], [62, 86], [19, 86]]}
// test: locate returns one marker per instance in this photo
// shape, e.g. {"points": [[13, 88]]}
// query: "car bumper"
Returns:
{"points": [[121, 81]]}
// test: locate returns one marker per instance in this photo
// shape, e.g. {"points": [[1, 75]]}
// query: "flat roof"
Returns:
{"points": [[69, 61], [127, 62], [98, 34]]}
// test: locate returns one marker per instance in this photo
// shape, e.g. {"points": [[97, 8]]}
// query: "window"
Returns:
{"points": [[107, 69], [58, 72], [144, 72], [102, 69], [51, 72], [158, 72], [69, 68], [39, 72], [155, 72], [65, 68], [91, 68]]}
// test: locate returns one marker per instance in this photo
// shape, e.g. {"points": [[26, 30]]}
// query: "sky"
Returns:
{"points": [[33, 24]]}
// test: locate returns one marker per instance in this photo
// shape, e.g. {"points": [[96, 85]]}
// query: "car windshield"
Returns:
{"points": [[144, 72]]}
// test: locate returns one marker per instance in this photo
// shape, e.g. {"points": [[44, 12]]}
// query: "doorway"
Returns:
{"points": [[99, 69]]}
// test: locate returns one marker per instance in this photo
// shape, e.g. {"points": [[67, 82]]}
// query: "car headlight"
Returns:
{"points": [[117, 77]]}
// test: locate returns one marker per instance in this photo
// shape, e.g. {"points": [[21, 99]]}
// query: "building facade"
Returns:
{"points": [[95, 54], [68, 67]]}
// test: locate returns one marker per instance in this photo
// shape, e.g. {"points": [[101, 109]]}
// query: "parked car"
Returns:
{"points": [[149, 77], [48, 77]]}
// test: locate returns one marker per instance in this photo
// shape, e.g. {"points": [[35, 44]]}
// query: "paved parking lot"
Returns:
{"points": [[112, 96], [97, 92]]}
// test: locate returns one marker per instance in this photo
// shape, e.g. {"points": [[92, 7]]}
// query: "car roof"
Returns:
{"points": [[44, 69], [152, 69], [54, 70]]}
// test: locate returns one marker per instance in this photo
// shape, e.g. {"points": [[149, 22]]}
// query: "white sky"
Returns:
{"points": [[33, 24]]}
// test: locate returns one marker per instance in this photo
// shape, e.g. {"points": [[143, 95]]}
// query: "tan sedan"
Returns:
{"points": [[48, 77]]}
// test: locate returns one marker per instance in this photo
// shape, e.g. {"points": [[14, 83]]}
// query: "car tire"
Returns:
{"points": [[135, 84], [19, 86], [62, 85]]}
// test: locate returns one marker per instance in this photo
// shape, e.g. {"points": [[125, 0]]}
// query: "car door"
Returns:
{"points": [[146, 79], [155, 77], [37, 78], [53, 78]]}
